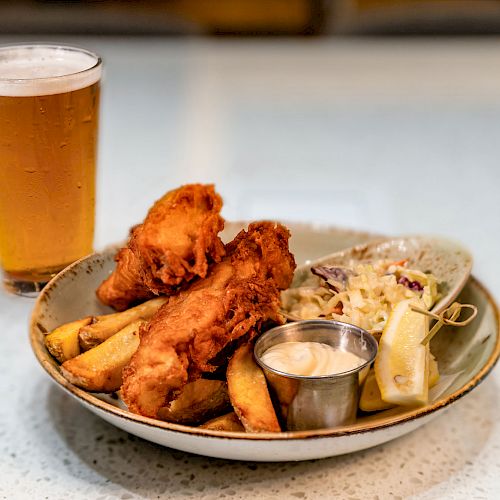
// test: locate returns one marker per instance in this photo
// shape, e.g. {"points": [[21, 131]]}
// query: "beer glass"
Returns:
{"points": [[49, 110]]}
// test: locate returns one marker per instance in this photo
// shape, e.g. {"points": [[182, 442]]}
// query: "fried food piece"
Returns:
{"points": [[197, 402], [179, 238], [105, 326], [190, 332], [228, 422], [63, 342], [433, 378], [176, 243], [370, 398], [124, 287], [249, 393], [100, 369]]}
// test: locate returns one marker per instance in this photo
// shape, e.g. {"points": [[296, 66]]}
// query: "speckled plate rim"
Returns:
{"points": [[88, 398]]}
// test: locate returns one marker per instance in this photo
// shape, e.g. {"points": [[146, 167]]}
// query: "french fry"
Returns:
{"points": [[227, 422], [105, 326], [249, 394], [100, 369], [63, 342], [197, 402]]}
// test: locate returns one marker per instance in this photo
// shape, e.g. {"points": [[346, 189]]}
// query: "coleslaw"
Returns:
{"points": [[361, 294]]}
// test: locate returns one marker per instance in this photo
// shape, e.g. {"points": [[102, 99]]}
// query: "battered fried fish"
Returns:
{"points": [[124, 287], [176, 243], [187, 334]]}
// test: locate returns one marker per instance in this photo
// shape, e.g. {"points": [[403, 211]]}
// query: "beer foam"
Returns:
{"points": [[45, 70]]}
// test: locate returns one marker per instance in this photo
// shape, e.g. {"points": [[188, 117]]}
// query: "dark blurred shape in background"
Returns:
{"points": [[250, 17], [176, 17]]}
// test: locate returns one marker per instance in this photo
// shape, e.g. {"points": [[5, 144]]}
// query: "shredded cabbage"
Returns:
{"points": [[365, 296]]}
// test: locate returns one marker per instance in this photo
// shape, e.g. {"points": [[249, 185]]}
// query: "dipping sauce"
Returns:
{"points": [[310, 359]]}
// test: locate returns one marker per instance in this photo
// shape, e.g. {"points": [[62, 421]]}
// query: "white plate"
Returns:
{"points": [[465, 359]]}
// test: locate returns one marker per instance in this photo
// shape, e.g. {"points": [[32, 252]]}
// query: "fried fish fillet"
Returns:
{"points": [[124, 287], [176, 243], [188, 334]]}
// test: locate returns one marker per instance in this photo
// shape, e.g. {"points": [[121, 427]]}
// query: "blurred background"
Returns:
{"points": [[382, 115], [250, 17]]}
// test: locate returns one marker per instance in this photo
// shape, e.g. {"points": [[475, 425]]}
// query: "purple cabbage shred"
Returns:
{"points": [[412, 285]]}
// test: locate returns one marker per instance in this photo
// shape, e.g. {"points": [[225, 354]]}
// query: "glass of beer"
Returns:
{"points": [[49, 110]]}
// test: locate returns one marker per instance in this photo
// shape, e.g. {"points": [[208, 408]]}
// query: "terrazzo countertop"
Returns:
{"points": [[386, 135]]}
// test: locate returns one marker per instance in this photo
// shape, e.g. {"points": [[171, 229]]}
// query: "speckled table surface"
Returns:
{"points": [[396, 131]]}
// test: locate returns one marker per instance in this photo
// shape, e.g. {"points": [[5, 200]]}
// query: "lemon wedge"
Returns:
{"points": [[402, 363], [371, 399]]}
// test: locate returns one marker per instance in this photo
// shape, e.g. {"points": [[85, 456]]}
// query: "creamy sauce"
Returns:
{"points": [[310, 359]]}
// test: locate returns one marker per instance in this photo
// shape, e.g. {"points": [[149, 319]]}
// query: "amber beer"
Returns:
{"points": [[49, 104]]}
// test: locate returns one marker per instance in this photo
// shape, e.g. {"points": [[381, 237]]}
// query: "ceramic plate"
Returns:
{"points": [[465, 358], [447, 260]]}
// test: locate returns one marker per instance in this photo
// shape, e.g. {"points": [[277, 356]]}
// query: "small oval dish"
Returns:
{"points": [[465, 358], [448, 261]]}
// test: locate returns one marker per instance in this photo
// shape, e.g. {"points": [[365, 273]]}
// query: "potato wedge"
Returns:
{"points": [[227, 422], [433, 371], [105, 326], [63, 342], [371, 399], [249, 394], [197, 402], [100, 369]]}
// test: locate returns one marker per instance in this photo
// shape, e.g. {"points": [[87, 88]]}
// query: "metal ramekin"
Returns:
{"points": [[321, 401]]}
